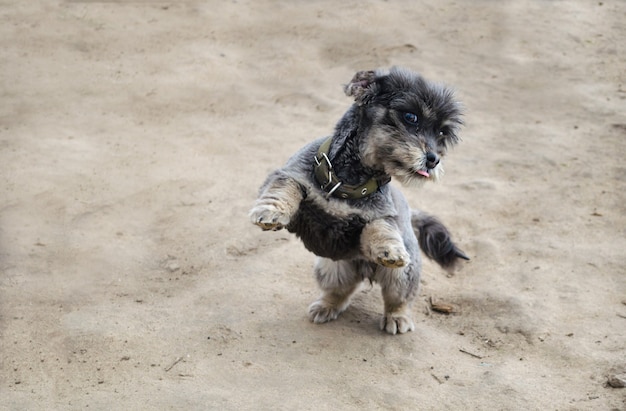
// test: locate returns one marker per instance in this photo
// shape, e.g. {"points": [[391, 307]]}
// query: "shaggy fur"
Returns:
{"points": [[400, 125]]}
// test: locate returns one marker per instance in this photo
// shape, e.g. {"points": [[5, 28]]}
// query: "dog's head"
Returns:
{"points": [[409, 123]]}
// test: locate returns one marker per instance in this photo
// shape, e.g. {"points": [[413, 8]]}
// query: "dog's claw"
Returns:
{"points": [[388, 259], [268, 218], [270, 227], [273, 226]]}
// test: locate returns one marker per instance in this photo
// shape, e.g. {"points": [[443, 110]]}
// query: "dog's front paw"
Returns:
{"points": [[268, 217], [321, 312], [392, 256], [396, 323]]}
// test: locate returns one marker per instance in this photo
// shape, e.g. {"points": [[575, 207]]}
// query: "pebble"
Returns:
{"points": [[173, 266], [617, 380]]}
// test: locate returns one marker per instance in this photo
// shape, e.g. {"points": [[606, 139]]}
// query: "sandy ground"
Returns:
{"points": [[134, 136]]}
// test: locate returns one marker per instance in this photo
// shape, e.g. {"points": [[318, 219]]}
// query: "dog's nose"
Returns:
{"points": [[432, 160]]}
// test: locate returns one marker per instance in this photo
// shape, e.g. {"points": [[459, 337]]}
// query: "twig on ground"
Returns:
{"points": [[176, 361], [436, 378], [472, 354]]}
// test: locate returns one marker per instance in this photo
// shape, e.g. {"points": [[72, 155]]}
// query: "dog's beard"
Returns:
{"points": [[414, 176], [399, 159], [415, 179]]}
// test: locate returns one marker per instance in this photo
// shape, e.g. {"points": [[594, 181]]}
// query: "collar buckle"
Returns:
{"points": [[333, 186], [321, 164]]}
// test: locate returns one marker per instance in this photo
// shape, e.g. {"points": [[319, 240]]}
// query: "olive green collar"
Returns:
{"points": [[329, 182]]}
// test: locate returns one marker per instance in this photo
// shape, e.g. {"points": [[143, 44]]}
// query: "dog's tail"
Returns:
{"points": [[435, 240]]}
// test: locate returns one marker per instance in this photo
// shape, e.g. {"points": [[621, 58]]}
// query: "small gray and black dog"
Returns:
{"points": [[334, 195]]}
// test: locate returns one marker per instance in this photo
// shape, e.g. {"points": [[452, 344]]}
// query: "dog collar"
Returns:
{"points": [[333, 186]]}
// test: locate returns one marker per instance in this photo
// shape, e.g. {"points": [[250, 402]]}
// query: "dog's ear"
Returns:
{"points": [[362, 87]]}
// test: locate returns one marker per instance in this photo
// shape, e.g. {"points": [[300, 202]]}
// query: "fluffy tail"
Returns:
{"points": [[434, 239]]}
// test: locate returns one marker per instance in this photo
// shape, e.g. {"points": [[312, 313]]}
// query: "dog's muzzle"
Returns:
{"points": [[432, 161]]}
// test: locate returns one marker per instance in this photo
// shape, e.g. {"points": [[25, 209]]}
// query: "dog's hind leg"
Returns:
{"points": [[338, 281], [277, 203], [399, 288]]}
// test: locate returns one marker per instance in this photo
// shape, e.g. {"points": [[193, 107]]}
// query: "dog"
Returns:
{"points": [[334, 193]]}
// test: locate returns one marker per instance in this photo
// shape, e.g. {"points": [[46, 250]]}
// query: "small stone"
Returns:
{"points": [[173, 266], [617, 380]]}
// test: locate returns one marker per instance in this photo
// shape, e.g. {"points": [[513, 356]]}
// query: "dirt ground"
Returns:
{"points": [[134, 136]]}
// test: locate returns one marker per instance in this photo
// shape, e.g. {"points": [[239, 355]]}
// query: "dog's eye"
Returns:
{"points": [[410, 118]]}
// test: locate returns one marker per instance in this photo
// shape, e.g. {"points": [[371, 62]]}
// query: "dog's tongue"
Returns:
{"points": [[423, 173]]}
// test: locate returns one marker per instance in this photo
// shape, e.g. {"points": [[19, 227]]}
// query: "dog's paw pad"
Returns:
{"points": [[267, 226], [320, 312], [393, 259], [268, 218], [396, 324]]}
